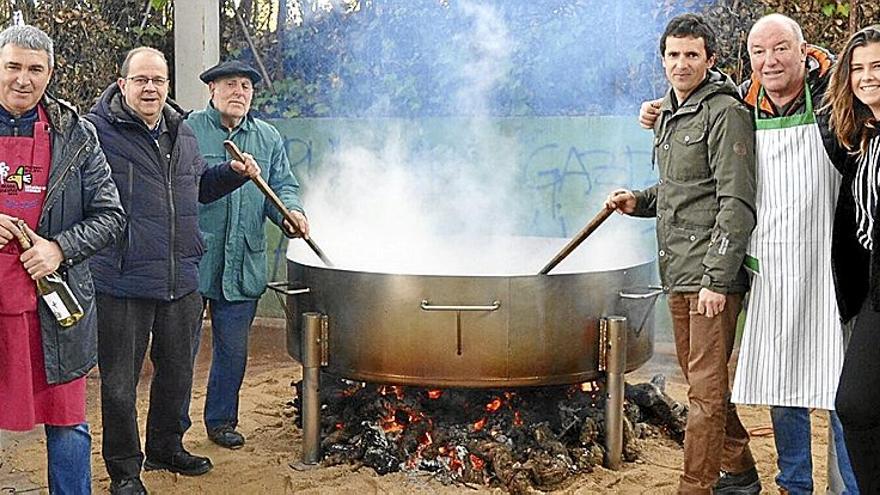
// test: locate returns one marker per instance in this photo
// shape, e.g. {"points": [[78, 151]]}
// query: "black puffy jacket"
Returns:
{"points": [[158, 255]]}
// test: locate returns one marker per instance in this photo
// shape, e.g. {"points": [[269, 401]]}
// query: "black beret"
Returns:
{"points": [[230, 68]]}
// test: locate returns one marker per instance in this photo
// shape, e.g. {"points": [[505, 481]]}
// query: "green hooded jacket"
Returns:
{"points": [[704, 200], [234, 264]]}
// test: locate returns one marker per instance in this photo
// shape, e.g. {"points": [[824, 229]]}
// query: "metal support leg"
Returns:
{"points": [[313, 341], [613, 343]]}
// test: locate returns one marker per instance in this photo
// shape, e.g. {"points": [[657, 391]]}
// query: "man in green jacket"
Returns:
{"points": [[232, 272], [705, 207]]}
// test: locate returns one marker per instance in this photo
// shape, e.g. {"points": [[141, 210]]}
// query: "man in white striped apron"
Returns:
{"points": [[704, 205], [792, 346]]}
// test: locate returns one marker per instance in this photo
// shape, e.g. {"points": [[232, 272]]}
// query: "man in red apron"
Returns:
{"points": [[54, 177]]}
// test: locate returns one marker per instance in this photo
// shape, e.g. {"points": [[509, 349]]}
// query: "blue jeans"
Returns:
{"points": [[791, 431], [230, 326], [69, 449]]}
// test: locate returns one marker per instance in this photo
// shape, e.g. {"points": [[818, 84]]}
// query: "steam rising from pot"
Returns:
{"points": [[451, 195]]}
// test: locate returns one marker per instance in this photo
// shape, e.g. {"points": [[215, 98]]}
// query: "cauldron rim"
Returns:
{"points": [[298, 254]]}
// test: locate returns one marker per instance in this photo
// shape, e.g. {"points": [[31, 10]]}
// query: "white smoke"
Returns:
{"points": [[390, 207]]}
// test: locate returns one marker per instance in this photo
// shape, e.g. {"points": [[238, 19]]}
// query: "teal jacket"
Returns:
{"points": [[234, 264]]}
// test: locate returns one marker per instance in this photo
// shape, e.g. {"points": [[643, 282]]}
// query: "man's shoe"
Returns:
{"points": [[128, 486], [181, 462], [227, 437], [744, 483]]}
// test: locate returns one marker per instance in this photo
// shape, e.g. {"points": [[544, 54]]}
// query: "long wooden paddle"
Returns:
{"points": [[577, 240], [261, 183]]}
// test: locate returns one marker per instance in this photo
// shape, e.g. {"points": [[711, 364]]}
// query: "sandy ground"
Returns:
{"points": [[262, 466]]}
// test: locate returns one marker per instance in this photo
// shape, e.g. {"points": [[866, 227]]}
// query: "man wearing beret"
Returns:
{"points": [[232, 273]]}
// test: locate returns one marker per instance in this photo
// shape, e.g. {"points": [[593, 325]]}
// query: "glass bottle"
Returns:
{"points": [[54, 290]]}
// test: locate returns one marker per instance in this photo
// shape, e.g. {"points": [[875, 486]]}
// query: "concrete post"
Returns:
{"points": [[196, 47]]}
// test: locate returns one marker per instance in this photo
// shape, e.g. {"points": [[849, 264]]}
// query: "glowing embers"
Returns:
{"points": [[494, 405], [514, 439]]}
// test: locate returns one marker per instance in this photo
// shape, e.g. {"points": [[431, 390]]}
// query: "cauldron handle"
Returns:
{"points": [[427, 306], [287, 288], [653, 291]]}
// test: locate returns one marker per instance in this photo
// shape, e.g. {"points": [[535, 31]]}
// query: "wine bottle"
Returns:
{"points": [[54, 290]]}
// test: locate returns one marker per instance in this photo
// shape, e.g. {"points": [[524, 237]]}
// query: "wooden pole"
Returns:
{"points": [[853, 16], [235, 153], [259, 59], [577, 240]]}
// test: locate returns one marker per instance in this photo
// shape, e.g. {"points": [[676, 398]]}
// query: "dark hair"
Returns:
{"points": [[690, 26], [851, 119]]}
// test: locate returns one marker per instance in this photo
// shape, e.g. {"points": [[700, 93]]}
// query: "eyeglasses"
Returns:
{"points": [[142, 81]]}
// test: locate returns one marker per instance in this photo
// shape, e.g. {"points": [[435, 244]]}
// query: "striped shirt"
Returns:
{"points": [[865, 188]]}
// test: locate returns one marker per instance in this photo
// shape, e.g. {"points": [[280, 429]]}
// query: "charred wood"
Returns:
{"points": [[519, 440]]}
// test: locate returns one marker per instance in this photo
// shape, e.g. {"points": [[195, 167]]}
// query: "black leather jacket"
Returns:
{"points": [[82, 213]]}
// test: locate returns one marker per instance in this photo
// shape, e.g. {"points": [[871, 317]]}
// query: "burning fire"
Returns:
{"points": [[494, 405], [591, 389], [398, 419], [453, 461], [390, 423], [480, 437], [395, 390]]}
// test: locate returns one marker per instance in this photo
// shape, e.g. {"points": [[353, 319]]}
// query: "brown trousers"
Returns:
{"points": [[714, 439]]}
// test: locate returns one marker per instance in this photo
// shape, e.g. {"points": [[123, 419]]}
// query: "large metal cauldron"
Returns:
{"points": [[471, 331]]}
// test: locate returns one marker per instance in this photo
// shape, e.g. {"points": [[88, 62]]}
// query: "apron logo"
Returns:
{"points": [[20, 178], [740, 148]]}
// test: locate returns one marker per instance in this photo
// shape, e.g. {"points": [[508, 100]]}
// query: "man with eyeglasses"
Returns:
{"points": [[232, 275], [147, 283]]}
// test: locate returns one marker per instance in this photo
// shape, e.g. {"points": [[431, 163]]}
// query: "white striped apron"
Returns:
{"points": [[792, 346]]}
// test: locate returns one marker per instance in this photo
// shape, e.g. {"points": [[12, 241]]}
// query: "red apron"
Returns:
{"points": [[25, 398]]}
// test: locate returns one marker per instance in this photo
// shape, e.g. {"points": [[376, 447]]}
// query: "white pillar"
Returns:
{"points": [[196, 47]]}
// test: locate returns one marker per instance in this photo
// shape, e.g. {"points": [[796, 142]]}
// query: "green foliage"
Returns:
{"points": [[399, 58], [839, 9], [825, 23], [91, 37]]}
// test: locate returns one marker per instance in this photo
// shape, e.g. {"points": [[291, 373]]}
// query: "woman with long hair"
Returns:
{"points": [[853, 98]]}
